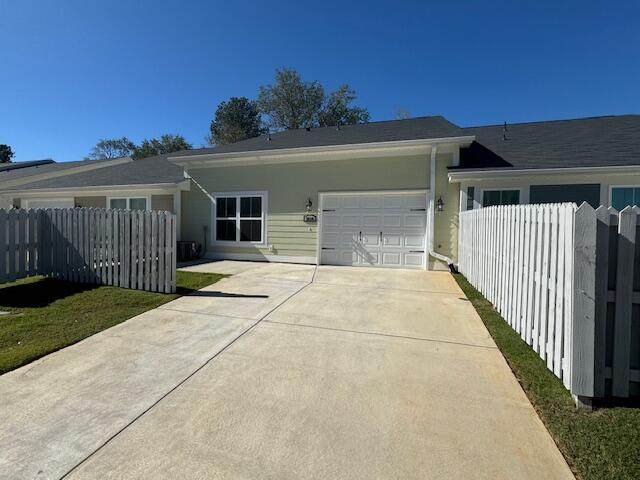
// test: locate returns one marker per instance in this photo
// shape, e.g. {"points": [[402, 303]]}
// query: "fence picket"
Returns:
{"points": [[624, 300]]}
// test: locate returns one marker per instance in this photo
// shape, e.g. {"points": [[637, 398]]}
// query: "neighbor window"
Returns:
{"points": [[128, 203], [240, 218], [471, 192], [500, 197], [624, 196]]}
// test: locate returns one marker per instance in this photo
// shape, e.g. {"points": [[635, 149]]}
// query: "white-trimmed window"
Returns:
{"points": [[129, 203], [240, 218]]}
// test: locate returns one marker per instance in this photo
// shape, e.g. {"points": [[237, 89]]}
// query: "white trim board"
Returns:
{"points": [[321, 153], [479, 175], [256, 257]]}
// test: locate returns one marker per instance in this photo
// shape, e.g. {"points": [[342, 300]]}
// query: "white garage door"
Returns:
{"points": [[49, 203], [374, 229]]}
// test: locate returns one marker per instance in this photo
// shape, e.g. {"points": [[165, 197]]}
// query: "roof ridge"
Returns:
{"points": [[593, 117]]}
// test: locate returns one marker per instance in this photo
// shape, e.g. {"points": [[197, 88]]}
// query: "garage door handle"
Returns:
{"points": [[380, 238], [360, 236], [417, 209]]}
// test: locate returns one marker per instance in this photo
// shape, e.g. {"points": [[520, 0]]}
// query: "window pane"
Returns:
{"points": [[250, 230], [490, 198], [225, 207], [119, 203], [138, 203], [256, 206], [251, 207], [226, 230], [510, 197], [470, 194], [621, 197], [245, 207]]}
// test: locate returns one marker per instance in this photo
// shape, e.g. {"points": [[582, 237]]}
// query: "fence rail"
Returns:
{"points": [[566, 279], [130, 249]]}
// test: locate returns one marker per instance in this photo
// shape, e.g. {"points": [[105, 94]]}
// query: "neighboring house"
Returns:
{"points": [[147, 184], [388, 193], [594, 160]]}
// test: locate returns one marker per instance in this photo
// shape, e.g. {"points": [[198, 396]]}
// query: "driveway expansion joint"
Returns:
{"points": [[380, 334]]}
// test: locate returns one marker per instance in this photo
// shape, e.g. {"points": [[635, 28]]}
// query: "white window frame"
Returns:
{"points": [[499, 189], [263, 218], [128, 199], [611, 187]]}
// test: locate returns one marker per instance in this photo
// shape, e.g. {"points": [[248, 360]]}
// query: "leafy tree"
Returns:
{"points": [[291, 102], [112, 148], [167, 143], [236, 119], [6, 154], [336, 109]]}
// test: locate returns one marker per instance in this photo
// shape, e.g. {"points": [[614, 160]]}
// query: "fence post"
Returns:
{"points": [[583, 321]]}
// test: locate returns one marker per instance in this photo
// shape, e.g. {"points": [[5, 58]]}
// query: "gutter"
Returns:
{"points": [[461, 175], [185, 160]]}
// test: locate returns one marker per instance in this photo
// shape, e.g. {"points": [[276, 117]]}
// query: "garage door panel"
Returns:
{"points": [[394, 201], [392, 240], [413, 259], [392, 221], [414, 241], [371, 220], [415, 221], [392, 259], [370, 239], [383, 230], [351, 221]]}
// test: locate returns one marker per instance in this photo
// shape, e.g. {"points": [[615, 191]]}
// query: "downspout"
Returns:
{"points": [[210, 197], [432, 213]]}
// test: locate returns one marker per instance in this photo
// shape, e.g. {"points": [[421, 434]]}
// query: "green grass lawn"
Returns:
{"points": [[599, 444], [46, 315]]}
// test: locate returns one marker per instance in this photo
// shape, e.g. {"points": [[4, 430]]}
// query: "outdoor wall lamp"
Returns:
{"points": [[440, 204], [309, 204]]}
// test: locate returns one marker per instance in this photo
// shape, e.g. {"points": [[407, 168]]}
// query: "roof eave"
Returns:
{"points": [[489, 174], [208, 158]]}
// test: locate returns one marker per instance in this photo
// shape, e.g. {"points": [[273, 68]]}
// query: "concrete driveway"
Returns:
{"points": [[281, 371]]}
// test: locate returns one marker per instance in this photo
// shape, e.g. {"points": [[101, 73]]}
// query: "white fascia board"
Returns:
{"points": [[456, 177], [331, 152], [102, 189]]}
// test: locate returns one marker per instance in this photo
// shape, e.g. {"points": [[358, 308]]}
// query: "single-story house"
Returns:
{"points": [[384, 194], [148, 184]]}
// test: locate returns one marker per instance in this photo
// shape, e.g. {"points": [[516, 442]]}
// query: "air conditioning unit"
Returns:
{"points": [[187, 250]]}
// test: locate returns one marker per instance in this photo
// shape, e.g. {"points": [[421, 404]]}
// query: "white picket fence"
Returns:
{"points": [[563, 277], [129, 249]]}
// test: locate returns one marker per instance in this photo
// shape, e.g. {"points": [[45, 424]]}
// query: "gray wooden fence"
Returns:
{"points": [[129, 249], [567, 279]]}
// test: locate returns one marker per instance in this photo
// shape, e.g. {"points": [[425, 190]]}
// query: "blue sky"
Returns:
{"points": [[72, 72]]}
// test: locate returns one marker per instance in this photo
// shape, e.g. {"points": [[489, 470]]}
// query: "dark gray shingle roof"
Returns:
{"points": [[148, 171], [387, 131], [5, 167], [584, 142]]}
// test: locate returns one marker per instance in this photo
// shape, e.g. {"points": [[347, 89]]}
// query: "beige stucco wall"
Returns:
{"points": [[91, 201], [289, 185], [162, 202]]}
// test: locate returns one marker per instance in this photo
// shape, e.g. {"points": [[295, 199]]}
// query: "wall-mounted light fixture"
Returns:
{"points": [[310, 217], [440, 204]]}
